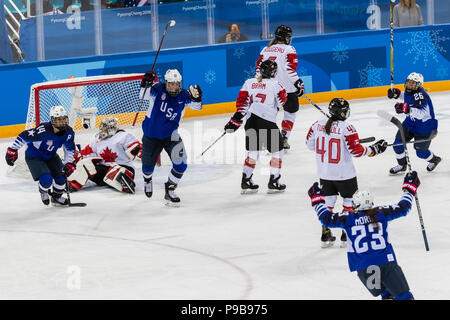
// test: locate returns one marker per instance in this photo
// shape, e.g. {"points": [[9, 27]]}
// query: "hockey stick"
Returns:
{"points": [[171, 23], [398, 124], [366, 140], [315, 105], [432, 136], [391, 20], [213, 143], [70, 203]]}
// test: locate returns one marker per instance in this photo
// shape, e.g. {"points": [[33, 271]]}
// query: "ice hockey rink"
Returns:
{"points": [[220, 244]]}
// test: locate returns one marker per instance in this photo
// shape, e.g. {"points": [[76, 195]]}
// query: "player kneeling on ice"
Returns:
{"points": [[108, 159], [259, 101], [420, 122], [166, 108], [41, 158], [369, 251], [335, 142]]}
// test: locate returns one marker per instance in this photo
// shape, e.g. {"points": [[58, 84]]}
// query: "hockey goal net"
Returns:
{"points": [[88, 100]]}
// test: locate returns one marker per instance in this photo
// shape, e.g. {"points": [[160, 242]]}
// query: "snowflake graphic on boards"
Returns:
{"points": [[442, 72], [249, 72], [340, 53], [425, 45], [370, 76], [210, 76], [238, 52]]}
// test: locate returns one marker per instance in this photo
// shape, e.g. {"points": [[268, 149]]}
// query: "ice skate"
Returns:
{"points": [[58, 199], [44, 196], [274, 185], [397, 169], [171, 198], [343, 239], [433, 163], [247, 185], [148, 187], [327, 239]]}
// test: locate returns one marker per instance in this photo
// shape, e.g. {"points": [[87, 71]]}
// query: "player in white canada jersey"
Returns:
{"points": [[335, 143], [280, 51], [108, 159], [260, 99]]}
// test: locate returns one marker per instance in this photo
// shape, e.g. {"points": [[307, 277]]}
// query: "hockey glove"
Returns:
{"points": [[401, 107], [196, 93], [393, 93], [234, 123], [300, 87], [11, 156], [148, 79], [411, 182], [316, 194], [68, 168], [378, 147]]}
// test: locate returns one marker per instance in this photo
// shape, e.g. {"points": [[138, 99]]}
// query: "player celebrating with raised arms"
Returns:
{"points": [[167, 102], [260, 99], [336, 142], [280, 51], [420, 122], [44, 163], [369, 251], [108, 159]]}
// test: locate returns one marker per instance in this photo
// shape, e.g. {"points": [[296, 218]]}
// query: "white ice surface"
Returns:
{"points": [[220, 244]]}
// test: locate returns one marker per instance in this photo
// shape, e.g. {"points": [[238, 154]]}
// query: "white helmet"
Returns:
{"points": [[173, 76], [417, 78], [57, 112], [362, 200], [108, 127]]}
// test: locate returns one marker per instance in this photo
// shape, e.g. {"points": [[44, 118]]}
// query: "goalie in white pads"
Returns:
{"points": [[335, 143], [108, 159]]}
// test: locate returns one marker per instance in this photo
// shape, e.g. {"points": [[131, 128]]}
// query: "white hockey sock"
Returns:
{"points": [[330, 201], [250, 163]]}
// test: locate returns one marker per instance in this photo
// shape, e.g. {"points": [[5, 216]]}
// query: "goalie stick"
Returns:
{"points": [[73, 204], [398, 124]]}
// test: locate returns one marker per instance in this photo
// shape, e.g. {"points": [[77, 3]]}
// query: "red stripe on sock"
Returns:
{"points": [[249, 162], [287, 125], [275, 163]]}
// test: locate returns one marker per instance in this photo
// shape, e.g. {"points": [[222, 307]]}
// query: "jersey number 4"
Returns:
{"points": [[333, 142]]}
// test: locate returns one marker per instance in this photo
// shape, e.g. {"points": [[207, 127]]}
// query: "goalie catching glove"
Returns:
{"points": [[196, 93], [134, 150]]}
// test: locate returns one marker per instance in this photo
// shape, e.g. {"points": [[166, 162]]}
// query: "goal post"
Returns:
{"points": [[88, 100]]}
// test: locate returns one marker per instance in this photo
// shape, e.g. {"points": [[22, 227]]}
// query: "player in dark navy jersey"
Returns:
{"points": [[420, 122], [167, 102], [369, 251], [43, 162]]}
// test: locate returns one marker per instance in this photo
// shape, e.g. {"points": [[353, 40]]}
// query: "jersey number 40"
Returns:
{"points": [[333, 142]]}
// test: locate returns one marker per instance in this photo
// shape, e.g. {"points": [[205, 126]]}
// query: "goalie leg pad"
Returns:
{"points": [[85, 169], [120, 179]]}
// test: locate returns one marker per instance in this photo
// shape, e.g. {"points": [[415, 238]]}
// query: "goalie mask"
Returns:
{"points": [[59, 118], [413, 83], [362, 200], [339, 109], [108, 127], [268, 69], [284, 34], [173, 82]]}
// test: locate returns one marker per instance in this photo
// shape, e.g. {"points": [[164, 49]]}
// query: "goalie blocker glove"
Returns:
{"points": [[402, 107], [11, 156], [196, 93], [316, 194], [69, 168], [393, 93], [411, 182], [234, 123], [300, 87], [149, 78], [378, 147]]}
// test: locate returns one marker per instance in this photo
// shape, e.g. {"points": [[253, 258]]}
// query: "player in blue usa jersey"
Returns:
{"points": [[420, 122], [43, 162], [369, 251], [167, 102]]}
